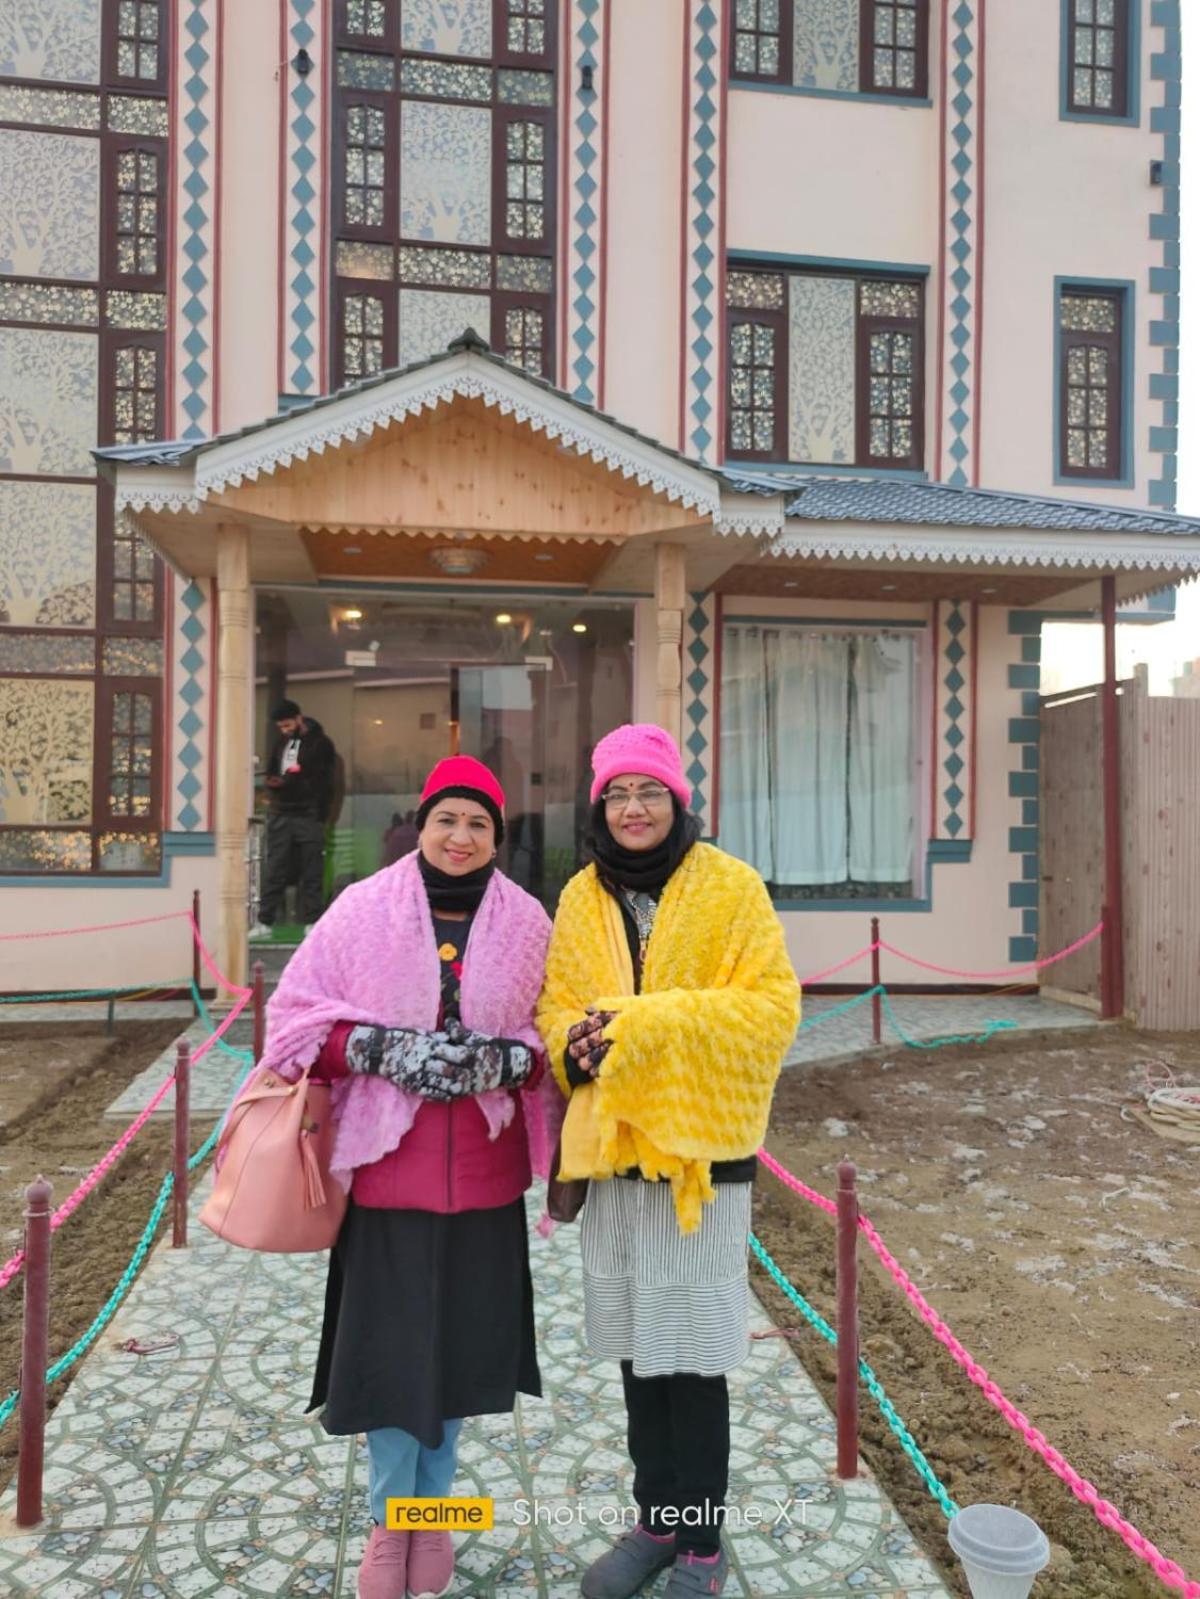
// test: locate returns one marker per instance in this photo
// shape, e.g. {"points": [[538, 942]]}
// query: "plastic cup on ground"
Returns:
{"points": [[1002, 1550]]}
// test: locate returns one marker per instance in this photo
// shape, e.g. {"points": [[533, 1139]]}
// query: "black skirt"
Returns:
{"points": [[427, 1318]]}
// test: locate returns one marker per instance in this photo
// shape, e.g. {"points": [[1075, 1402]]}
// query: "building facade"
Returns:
{"points": [[821, 350]]}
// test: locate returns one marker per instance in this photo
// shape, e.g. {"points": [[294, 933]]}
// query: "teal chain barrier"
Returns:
{"points": [[990, 1028], [109, 1309], [907, 1442], [202, 1010], [95, 993]]}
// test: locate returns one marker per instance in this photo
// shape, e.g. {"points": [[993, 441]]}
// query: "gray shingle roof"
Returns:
{"points": [[831, 499]]}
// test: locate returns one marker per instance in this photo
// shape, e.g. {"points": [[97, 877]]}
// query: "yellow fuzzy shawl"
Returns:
{"points": [[695, 1055]]}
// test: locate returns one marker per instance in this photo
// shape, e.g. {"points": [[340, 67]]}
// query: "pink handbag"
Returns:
{"points": [[272, 1189]]}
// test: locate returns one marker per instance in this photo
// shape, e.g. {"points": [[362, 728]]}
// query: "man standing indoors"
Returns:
{"points": [[300, 776]]}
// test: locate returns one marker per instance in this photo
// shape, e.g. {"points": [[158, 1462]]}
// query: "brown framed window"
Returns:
{"points": [[131, 578], [522, 336], [761, 43], [366, 21], [131, 403], [136, 180], [524, 29], [137, 44], [825, 368], [526, 200], [1097, 46], [365, 334], [1090, 353], [893, 56], [368, 165]]}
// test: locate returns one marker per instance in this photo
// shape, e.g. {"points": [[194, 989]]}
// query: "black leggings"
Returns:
{"points": [[679, 1445]]}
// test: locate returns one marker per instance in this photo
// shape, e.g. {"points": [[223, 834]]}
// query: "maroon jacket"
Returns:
{"points": [[445, 1162]]}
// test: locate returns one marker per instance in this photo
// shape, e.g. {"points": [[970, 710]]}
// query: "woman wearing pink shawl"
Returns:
{"points": [[415, 995]]}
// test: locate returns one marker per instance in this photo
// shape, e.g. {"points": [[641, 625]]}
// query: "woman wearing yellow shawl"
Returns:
{"points": [[669, 1004]]}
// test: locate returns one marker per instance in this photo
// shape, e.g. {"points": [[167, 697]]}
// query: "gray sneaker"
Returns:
{"points": [[632, 1561], [691, 1577]]}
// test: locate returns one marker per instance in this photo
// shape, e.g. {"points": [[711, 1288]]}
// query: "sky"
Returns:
{"points": [[1072, 654]]}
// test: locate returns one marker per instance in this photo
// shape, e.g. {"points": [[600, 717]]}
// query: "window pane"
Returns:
{"points": [[45, 751]]}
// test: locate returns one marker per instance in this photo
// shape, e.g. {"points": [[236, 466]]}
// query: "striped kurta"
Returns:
{"points": [[666, 1300]]}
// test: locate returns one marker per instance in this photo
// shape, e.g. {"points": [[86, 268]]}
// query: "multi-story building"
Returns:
{"points": [[821, 349]]}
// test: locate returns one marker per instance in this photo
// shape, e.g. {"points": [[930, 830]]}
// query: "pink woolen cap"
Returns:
{"points": [[643, 748]]}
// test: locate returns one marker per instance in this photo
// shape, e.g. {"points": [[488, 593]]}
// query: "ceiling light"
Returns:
{"points": [[352, 614], [578, 627], [379, 721], [887, 588], [503, 618], [987, 591], [543, 557], [457, 562], [351, 549], [791, 583]]}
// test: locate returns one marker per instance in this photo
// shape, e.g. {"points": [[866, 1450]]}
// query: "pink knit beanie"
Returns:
{"points": [[640, 747]]}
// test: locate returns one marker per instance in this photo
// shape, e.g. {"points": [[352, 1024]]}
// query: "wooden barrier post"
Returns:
{"points": [[260, 1013], [876, 1003], [196, 950], [183, 1066], [847, 1323], [35, 1347]]}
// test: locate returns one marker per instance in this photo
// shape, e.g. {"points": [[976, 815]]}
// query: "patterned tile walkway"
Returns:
{"points": [[193, 1472], [924, 1019]]}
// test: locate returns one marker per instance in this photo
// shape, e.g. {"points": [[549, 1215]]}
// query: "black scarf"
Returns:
{"points": [[449, 893], [644, 871]]}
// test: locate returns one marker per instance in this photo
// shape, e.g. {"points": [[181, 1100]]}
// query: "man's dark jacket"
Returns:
{"points": [[308, 792]]}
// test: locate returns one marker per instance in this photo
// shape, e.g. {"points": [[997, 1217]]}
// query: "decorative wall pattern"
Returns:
{"points": [[447, 27], [958, 375], [1165, 68], [1024, 780], [191, 712], [587, 21], [49, 205], [825, 44], [47, 401], [303, 245], [822, 320], [197, 205], [56, 39], [703, 230], [699, 720], [430, 318], [446, 174], [956, 644], [47, 556], [45, 751]]}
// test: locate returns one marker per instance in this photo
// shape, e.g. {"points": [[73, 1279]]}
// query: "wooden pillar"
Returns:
{"points": [[1112, 949], [235, 735], [670, 596]]}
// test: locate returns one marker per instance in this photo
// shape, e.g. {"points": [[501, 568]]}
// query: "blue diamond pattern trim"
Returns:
{"points": [[962, 105], [1023, 733], [587, 38], [1164, 229], [696, 710], [303, 220], [952, 711], [197, 90], [191, 692], [704, 112]]}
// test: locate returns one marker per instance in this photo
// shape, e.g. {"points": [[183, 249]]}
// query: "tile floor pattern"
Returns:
{"points": [[193, 1472]]}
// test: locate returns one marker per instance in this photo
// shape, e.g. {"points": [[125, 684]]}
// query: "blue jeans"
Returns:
{"points": [[402, 1468]]}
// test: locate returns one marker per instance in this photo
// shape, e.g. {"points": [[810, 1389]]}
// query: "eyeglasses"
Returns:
{"points": [[617, 799]]}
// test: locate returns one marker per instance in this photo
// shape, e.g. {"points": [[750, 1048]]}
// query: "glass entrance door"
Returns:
{"points": [[498, 715]]}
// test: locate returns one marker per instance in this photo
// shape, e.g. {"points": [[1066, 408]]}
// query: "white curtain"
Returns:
{"points": [[881, 759], [817, 754]]}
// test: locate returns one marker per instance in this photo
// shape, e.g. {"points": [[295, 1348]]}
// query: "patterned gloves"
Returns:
{"points": [[446, 1065]]}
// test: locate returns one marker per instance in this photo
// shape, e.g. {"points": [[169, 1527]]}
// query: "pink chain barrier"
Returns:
{"points": [[106, 1162], [213, 971], [1169, 1572], [1029, 966], [103, 927]]}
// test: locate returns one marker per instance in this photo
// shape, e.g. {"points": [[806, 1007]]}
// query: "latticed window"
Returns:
{"points": [[525, 180], [753, 365], [366, 19], [364, 197], [137, 213], [131, 755], [1098, 57], [362, 335], [759, 38], [135, 394], [138, 40], [524, 338], [134, 589], [526, 27], [893, 49], [1090, 422], [825, 368]]}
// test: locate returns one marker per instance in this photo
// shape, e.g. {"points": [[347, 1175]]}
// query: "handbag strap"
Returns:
{"points": [[252, 1096]]}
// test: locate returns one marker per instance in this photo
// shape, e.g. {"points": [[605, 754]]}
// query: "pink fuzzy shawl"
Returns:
{"points": [[372, 959]]}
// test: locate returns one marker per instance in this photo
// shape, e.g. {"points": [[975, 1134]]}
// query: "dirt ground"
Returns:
{"points": [[1059, 1240], [55, 1084]]}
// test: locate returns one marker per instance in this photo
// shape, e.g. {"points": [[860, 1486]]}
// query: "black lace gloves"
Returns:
{"points": [[446, 1065]]}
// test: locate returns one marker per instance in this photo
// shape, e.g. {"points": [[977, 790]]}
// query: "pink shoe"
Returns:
{"points": [[430, 1565], [384, 1570]]}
